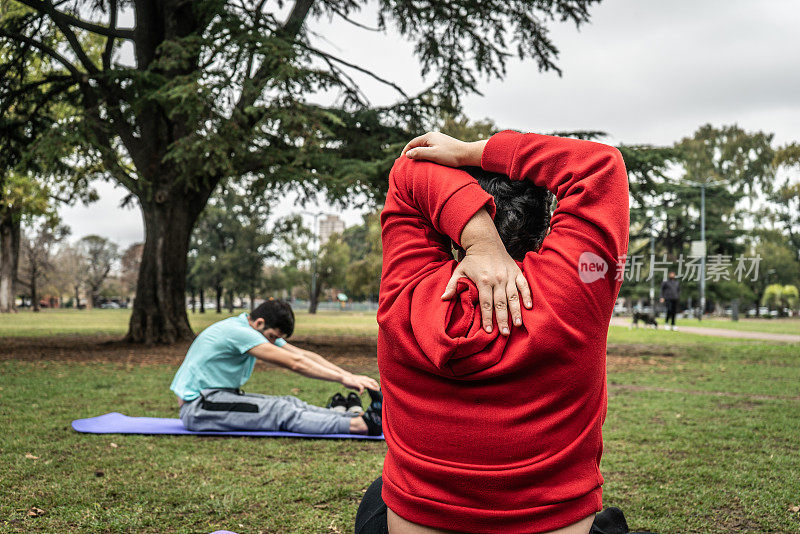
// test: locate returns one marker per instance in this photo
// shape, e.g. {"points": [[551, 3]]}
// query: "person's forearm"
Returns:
{"points": [[313, 356], [323, 362], [312, 369], [480, 231]]}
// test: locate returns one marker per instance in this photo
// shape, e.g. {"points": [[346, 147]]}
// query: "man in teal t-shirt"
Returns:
{"points": [[221, 360]]}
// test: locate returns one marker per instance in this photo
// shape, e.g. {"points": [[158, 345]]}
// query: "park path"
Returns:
{"points": [[720, 332]]}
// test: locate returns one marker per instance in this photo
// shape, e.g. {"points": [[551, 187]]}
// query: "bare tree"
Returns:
{"points": [[100, 255], [37, 250], [130, 262], [71, 267]]}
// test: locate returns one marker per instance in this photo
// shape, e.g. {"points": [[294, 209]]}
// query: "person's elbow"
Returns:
{"points": [[616, 182], [615, 164], [297, 363]]}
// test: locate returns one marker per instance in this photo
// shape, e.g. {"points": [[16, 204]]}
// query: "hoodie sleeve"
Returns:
{"points": [[577, 267], [427, 207]]}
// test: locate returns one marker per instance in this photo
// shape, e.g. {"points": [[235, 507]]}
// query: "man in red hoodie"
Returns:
{"points": [[494, 428]]}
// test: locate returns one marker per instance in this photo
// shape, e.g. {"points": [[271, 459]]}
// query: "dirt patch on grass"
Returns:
{"points": [[630, 357], [641, 350], [355, 352]]}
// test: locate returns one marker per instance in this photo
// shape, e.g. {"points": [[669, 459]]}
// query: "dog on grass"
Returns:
{"points": [[648, 319]]}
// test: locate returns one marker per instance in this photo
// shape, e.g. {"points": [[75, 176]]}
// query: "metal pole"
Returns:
{"points": [[652, 278], [705, 251], [314, 259]]}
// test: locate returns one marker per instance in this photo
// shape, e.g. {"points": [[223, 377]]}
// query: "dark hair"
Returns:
{"points": [[523, 210], [276, 314]]}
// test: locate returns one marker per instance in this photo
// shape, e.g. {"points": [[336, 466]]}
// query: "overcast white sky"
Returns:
{"points": [[644, 71]]}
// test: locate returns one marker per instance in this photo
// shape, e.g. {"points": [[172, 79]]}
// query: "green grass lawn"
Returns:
{"points": [[106, 483], [88, 322], [775, 326], [701, 436]]}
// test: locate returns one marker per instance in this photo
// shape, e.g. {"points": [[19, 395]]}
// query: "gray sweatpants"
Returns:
{"points": [[229, 409]]}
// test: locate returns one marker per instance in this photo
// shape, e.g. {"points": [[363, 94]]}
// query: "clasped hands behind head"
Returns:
{"points": [[492, 248]]}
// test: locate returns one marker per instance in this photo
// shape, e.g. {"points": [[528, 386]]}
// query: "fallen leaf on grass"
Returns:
{"points": [[795, 509], [35, 512], [295, 391], [29, 456], [321, 506], [113, 445]]}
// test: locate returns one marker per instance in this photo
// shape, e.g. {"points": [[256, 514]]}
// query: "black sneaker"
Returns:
{"points": [[337, 403], [612, 521], [354, 403], [374, 423], [376, 399]]}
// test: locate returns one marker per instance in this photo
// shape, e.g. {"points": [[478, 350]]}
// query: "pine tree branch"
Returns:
{"points": [[74, 43], [353, 22], [112, 22], [43, 48], [33, 85], [104, 144], [50, 9], [355, 67], [296, 18], [289, 32]]}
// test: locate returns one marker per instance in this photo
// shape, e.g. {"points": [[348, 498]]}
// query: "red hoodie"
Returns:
{"points": [[487, 433]]}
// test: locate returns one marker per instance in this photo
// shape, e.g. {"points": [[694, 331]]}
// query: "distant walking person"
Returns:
{"points": [[670, 293]]}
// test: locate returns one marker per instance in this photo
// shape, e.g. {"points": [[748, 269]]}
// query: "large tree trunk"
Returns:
{"points": [[202, 300], [219, 299], [159, 311], [9, 260], [93, 297], [313, 299], [34, 289]]}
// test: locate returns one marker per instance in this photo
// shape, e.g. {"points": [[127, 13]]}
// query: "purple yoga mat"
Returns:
{"points": [[117, 423]]}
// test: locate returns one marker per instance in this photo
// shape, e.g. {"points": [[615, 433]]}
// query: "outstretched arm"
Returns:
{"points": [[300, 364], [369, 382]]}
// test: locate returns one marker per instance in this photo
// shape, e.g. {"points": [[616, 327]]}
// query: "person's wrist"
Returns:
{"points": [[484, 245], [480, 233], [472, 154]]}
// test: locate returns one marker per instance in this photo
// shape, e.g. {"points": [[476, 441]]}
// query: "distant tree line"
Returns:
{"points": [[78, 275]]}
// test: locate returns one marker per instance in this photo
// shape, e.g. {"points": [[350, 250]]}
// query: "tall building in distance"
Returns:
{"points": [[328, 225]]}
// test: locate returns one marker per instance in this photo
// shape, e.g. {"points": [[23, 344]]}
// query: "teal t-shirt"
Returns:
{"points": [[218, 358]]}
